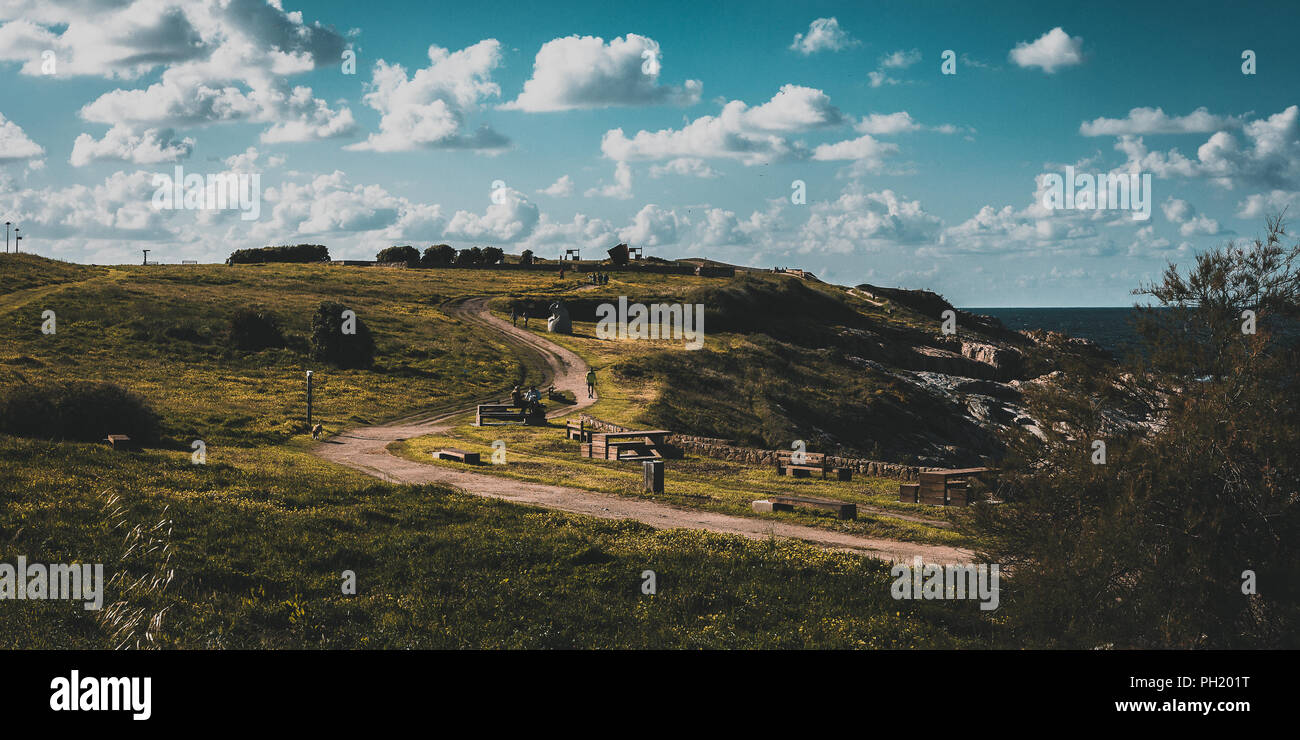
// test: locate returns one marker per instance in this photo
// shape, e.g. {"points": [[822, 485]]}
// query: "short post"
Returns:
{"points": [[308, 400], [654, 476]]}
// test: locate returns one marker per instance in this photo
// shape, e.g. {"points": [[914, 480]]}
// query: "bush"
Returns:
{"points": [[526, 257], [86, 411], [330, 344], [408, 254], [294, 253], [471, 256], [492, 255], [438, 255], [253, 329]]}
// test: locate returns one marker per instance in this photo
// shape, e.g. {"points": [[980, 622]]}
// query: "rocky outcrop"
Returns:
{"points": [[1007, 363]]}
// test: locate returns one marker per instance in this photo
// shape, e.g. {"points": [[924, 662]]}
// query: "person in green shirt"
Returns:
{"points": [[591, 383]]}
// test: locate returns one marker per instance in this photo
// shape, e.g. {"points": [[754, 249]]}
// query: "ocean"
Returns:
{"points": [[1110, 327]]}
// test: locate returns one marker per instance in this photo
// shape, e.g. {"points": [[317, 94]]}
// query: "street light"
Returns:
{"points": [[17, 239], [7, 223]]}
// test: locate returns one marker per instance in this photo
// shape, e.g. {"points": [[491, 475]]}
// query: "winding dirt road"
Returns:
{"points": [[365, 449]]}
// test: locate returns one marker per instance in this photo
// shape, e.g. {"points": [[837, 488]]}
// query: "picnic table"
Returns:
{"points": [[642, 445], [813, 462], [943, 487], [842, 509]]}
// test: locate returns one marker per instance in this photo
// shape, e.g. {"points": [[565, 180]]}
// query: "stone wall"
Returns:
{"points": [[723, 449]]}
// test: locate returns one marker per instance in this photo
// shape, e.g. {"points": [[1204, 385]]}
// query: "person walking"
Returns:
{"points": [[591, 383], [514, 316]]}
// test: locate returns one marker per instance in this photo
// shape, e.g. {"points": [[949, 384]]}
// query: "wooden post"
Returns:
{"points": [[308, 400], [654, 476]]}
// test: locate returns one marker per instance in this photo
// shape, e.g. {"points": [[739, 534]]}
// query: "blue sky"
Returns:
{"points": [[676, 126]]}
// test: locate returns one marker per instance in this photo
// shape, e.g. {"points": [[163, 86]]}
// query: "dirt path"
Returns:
{"points": [[365, 449]]}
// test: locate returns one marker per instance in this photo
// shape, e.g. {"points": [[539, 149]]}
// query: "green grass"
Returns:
{"points": [[261, 538], [261, 534]]}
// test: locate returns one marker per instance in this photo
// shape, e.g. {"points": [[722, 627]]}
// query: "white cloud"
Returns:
{"points": [[1155, 121], [1190, 223], [511, 220], [621, 188], [429, 109], [561, 188], [884, 125], [583, 231], [246, 161], [1049, 52], [120, 143], [860, 220], [652, 226], [901, 59], [865, 150], [1265, 204], [824, 34], [585, 72], [750, 135], [14, 144], [684, 166]]}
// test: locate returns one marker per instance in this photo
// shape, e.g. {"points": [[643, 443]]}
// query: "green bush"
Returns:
{"points": [[492, 255], [286, 253], [253, 329], [330, 344], [408, 254], [438, 255], [79, 410], [471, 256]]}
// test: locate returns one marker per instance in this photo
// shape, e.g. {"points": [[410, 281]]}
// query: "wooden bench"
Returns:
{"points": [[451, 453], [577, 430], [814, 462], [488, 414], [788, 503], [947, 487], [120, 442]]}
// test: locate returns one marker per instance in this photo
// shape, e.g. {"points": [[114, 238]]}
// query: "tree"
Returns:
{"points": [[329, 343], [438, 255], [471, 256], [408, 254], [294, 253], [1156, 546], [492, 255], [526, 257]]}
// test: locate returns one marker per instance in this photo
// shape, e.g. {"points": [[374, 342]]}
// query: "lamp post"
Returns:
{"points": [[17, 239], [7, 223]]}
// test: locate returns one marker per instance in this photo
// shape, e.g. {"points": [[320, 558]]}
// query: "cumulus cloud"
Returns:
{"points": [[884, 125], [586, 72], [824, 34], [1051, 51], [1190, 223], [120, 143], [684, 166], [867, 152], [561, 188], [1263, 204], [14, 144], [621, 188], [751, 135], [221, 62], [582, 231], [860, 220], [652, 226], [512, 219], [1155, 121], [901, 59], [429, 109], [1269, 156]]}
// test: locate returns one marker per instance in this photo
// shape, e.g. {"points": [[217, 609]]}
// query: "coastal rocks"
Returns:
{"points": [[1007, 363]]}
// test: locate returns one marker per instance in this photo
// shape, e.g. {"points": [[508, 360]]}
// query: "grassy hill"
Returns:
{"points": [[259, 536]]}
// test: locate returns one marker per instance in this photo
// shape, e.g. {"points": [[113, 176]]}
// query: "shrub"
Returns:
{"points": [[438, 255], [408, 254], [286, 253], [330, 344], [253, 329], [492, 255], [79, 410], [471, 256], [526, 257]]}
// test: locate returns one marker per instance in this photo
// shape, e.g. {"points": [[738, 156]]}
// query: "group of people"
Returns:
{"points": [[598, 278], [516, 313], [530, 400]]}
